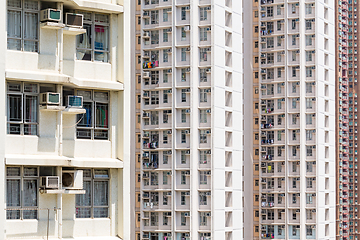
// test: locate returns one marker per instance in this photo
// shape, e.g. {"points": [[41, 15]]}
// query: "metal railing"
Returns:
{"points": [[38, 209]]}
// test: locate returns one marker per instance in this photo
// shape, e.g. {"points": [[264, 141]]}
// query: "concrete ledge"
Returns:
{"points": [[95, 5], [51, 77], [49, 160]]}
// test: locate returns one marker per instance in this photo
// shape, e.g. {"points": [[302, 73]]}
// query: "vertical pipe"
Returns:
{"points": [[48, 222]]}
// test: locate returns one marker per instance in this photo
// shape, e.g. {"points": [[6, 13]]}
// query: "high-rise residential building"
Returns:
{"points": [[190, 116], [290, 127], [65, 130], [346, 120]]}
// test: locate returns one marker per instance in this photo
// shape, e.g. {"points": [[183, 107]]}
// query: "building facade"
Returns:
{"points": [[189, 111], [65, 132], [346, 120], [290, 151]]}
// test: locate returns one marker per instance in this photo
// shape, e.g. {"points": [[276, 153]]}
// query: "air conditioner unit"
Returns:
{"points": [[188, 70], [207, 90], [169, 71], [146, 14], [146, 94], [208, 70], [50, 15], [187, 173], [187, 8], [208, 131], [208, 29], [297, 179], [146, 175], [169, 50], [187, 193], [208, 193], [50, 98], [208, 152], [187, 152], [74, 20], [146, 74], [186, 28], [208, 173], [187, 214], [208, 111], [75, 101], [168, 194], [208, 214], [168, 173], [187, 110], [169, 132], [146, 34], [72, 179], [50, 182], [208, 49], [187, 49]]}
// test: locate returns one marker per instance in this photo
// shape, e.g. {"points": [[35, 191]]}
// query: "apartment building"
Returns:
{"points": [[189, 111], [65, 131], [346, 120], [290, 152]]}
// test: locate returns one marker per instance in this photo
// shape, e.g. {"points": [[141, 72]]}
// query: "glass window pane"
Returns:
{"points": [[14, 24], [84, 199], [14, 108], [101, 173], [13, 193], [101, 115], [30, 214], [101, 38], [30, 171], [100, 212], [13, 171], [31, 25], [31, 4], [31, 105], [13, 129], [86, 120], [30, 193], [101, 196], [83, 212], [30, 129]]}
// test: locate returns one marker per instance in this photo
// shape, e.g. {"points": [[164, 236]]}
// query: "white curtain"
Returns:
{"points": [[30, 31], [13, 198]]}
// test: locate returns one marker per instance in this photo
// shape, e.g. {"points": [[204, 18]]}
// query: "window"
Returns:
{"points": [[183, 219], [23, 25], [203, 116], [154, 36], [183, 115], [183, 96], [203, 34], [294, 231], [203, 54], [203, 14], [95, 202], [308, 25], [308, 119], [309, 231], [308, 40], [165, 56], [309, 183], [183, 34], [293, 71], [293, 24], [294, 151], [309, 72], [183, 178], [203, 177], [308, 9], [279, 103], [203, 157], [294, 103], [183, 157], [309, 198], [94, 123], [165, 199], [154, 117], [165, 96], [203, 75], [203, 95], [154, 218], [94, 44], [154, 97], [202, 198], [22, 192], [183, 54], [22, 108], [166, 14], [309, 151], [183, 136], [203, 136], [165, 77], [308, 103], [166, 116], [309, 135], [183, 13], [183, 198], [165, 137], [165, 35], [309, 214], [165, 159], [293, 40], [308, 87]]}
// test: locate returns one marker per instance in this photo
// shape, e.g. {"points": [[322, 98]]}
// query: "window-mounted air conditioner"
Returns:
{"points": [[72, 179], [49, 98], [75, 101], [50, 15], [50, 182], [74, 20], [187, 214]]}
